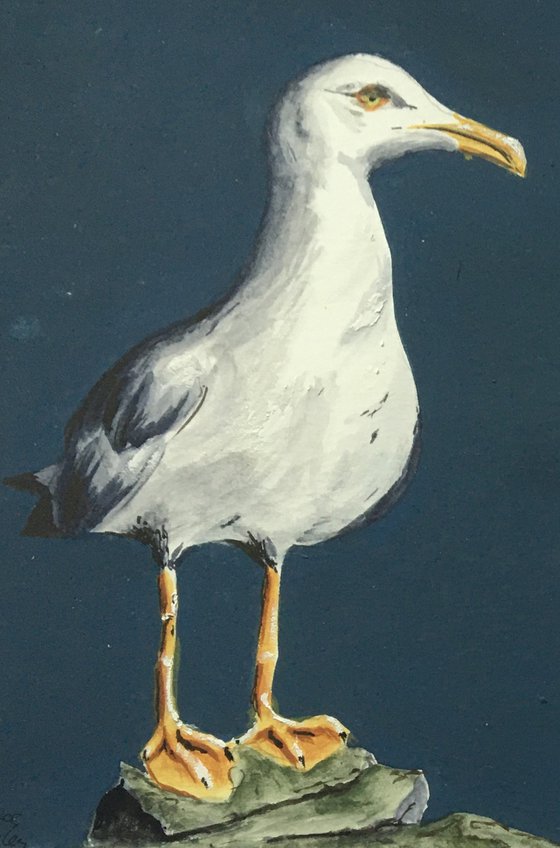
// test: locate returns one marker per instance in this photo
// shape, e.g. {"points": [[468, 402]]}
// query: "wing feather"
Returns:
{"points": [[117, 437]]}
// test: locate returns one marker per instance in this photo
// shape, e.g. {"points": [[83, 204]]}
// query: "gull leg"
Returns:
{"points": [[179, 757], [300, 744]]}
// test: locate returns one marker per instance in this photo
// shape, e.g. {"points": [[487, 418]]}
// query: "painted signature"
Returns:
{"points": [[9, 836]]}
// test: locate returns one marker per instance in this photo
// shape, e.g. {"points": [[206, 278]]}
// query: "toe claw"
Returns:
{"points": [[301, 745], [275, 740], [187, 744], [228, 753]]}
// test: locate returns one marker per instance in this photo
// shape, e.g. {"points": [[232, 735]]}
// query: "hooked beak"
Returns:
{"points": [[474, 139]]}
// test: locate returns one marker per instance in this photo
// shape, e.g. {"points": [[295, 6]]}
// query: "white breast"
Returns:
{"points": [[311, 406]]}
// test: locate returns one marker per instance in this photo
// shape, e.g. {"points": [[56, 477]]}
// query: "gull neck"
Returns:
{"points": [[321, 232]]}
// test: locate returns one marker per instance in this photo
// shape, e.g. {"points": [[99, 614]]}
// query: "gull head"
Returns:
{"points": [[365, 110]]}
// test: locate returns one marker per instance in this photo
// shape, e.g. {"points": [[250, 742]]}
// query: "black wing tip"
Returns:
{"points": [[26, 482], [40, 521]]}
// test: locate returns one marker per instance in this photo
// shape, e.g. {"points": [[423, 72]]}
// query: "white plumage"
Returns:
{"points": [[285, 415], [289, 412]]}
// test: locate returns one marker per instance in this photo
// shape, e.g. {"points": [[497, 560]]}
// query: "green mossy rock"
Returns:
{"points": [[460, 830], [349, 791], [348, 801]]}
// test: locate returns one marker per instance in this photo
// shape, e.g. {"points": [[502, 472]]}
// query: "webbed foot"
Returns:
{"points": [[300, 744], [189, 762]]}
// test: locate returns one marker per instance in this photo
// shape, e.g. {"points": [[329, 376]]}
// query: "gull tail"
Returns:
{"points": [[41, 520]]}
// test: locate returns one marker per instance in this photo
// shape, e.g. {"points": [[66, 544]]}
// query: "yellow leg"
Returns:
{"points": [[178, 757], [300, 744], [267, 648]]}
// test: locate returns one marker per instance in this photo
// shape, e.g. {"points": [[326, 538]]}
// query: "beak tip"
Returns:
{"points": [[519, 168], [518, 160]]}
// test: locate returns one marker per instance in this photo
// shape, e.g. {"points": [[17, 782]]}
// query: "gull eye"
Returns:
{"points": [[371, 97]]}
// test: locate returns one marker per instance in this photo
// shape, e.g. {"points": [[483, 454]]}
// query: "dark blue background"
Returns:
{"points": [[132, 182]]}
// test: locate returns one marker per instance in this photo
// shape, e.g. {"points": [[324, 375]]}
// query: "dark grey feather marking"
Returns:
{"points": [[371, 412], [156, 538], [140, 411], [261, 550], [194, 409], [231, 520]]}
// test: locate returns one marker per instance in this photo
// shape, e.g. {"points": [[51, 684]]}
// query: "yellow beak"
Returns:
{"points": [[475, 139]]}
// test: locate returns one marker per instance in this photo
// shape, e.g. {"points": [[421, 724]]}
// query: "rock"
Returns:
{"points": [[460, 830], [348, 792], [348, 801]]}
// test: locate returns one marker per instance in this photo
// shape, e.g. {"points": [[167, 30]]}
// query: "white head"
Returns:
{"points": [[364, 110]]}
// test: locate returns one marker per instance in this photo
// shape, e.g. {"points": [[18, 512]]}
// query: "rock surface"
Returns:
{"points": [[348, 801], [460, 830], [347, 792]]}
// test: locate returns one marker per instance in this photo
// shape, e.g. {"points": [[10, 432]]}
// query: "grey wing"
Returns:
{"points": [[140, 409], [116, 439]]}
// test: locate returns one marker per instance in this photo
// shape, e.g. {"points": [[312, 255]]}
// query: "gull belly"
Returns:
{"points": [[311, 411]]}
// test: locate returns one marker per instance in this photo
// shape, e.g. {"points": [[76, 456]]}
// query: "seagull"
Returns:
{"points": [[284, 415]]}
